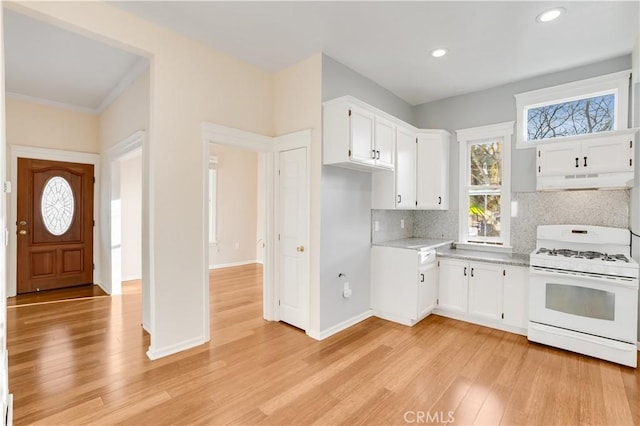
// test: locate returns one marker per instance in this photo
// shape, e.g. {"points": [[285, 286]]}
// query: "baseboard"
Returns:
{"points": [[103, 289], [173, 349], [146, 327], [131, 278], [341, 326], [482, 322], [227, 265]]}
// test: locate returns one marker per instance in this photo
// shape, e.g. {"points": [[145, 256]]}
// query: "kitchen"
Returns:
{"points": [[347, 221]]}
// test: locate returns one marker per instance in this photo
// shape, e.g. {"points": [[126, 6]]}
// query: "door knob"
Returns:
{"points": [[300, 249], [22, 223], [23, 232]]}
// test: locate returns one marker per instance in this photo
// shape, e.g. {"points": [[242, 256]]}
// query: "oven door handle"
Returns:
{"points": [[618, 282]]}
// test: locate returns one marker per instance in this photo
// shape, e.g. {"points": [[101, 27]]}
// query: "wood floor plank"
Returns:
{"points": [[83, 361]]}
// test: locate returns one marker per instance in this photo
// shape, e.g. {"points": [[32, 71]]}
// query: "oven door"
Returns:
{"points": [[606, 307]]}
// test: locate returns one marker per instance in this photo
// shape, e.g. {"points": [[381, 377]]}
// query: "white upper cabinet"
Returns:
{"points": [[384, 143], [358, 136], [432, 186], [405, 169], [602, 160]]}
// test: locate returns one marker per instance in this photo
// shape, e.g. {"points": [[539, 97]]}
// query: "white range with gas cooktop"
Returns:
{"points": [[583, 292]]}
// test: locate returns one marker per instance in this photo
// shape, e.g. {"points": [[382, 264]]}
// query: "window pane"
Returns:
{"points": [[484, 216], [485, 160], [589, 115]]}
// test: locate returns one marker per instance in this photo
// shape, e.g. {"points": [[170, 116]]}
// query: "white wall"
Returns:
{"points": [[190, 83], [131, 217], [237, 206]]}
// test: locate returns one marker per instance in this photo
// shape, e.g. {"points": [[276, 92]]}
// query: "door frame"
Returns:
{"points": [[223, 135], [36, 153]]}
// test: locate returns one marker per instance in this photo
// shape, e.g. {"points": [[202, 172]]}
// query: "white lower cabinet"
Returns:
{"points": [[485, 293], [404, 283]]}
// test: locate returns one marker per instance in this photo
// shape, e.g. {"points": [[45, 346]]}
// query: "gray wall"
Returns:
{"points": [[497, 105], [345, 244], [339, 80]]}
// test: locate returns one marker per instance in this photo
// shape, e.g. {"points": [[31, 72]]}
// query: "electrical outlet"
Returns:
{"points": [[401, 223], [346, 291], [376, 225]]}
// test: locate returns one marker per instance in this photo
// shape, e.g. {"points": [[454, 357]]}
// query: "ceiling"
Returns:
{"points": [[490, 43], [44, 63]]}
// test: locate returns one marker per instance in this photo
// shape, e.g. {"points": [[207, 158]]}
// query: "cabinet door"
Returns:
{"points": [[432, 186], [558, 159], [453, 282], [394, 284], [361, 135], [385, 143], [516, 296], [606, 155], [427, 286], [485, 291], [405, 170]]}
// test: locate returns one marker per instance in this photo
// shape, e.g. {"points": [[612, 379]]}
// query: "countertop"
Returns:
{"points": [[515, 259], [443, 249], [415, 243]]}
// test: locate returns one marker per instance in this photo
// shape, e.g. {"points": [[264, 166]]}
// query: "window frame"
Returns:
{"points": [[616, 83], [474, 136]]}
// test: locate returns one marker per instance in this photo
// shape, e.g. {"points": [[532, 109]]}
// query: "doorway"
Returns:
{"points": [[274, 272], [55, 225]]}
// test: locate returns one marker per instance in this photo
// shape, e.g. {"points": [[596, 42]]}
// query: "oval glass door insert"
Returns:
{"points": [[57, 205]]}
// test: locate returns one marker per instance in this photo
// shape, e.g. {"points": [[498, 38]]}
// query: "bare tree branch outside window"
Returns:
{"points": [[590, 115]]}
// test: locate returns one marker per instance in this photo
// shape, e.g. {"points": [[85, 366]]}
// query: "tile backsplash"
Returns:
{"points": [[602, 208]]}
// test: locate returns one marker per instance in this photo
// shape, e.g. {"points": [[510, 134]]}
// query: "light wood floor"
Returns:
{"points": [[84, 361]]}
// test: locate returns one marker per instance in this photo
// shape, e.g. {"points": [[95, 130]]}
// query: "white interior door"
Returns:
{"points": [[293, 237]]}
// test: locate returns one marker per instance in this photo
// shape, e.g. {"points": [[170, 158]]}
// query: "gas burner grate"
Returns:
{"points": [[589, 255]]}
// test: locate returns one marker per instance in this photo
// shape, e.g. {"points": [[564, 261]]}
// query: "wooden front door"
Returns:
{"points": [[55, 225]]}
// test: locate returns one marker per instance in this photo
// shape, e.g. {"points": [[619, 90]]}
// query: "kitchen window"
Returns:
{"points": [[485, 184], [588, 106]]}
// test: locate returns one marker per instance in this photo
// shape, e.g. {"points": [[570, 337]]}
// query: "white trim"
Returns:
{"points": [[103, 289], [485, 323], [479, 134], [341, 326], [21, 151], [617, 83], [47, 102], [136, 70], [215, 133], [231, 264], [154, 353]]}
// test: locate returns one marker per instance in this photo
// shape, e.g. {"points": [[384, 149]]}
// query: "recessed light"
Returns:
{"points": [[550, 15], [440, 52]]}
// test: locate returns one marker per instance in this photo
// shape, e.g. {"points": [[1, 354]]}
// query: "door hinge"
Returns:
{"points": [[503, 315], [349, 112], [94, 222], [94, 179]]}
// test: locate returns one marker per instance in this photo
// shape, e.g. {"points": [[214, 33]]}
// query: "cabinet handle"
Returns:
{"points": [[378, 155], [577, 162], [373, 154], [471, 271], [421, 278], [585, 161], [465, 271], [399, 198], [439, 200]]}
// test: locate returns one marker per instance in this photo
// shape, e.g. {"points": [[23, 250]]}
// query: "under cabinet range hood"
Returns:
{"points": [[596, 161]]}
